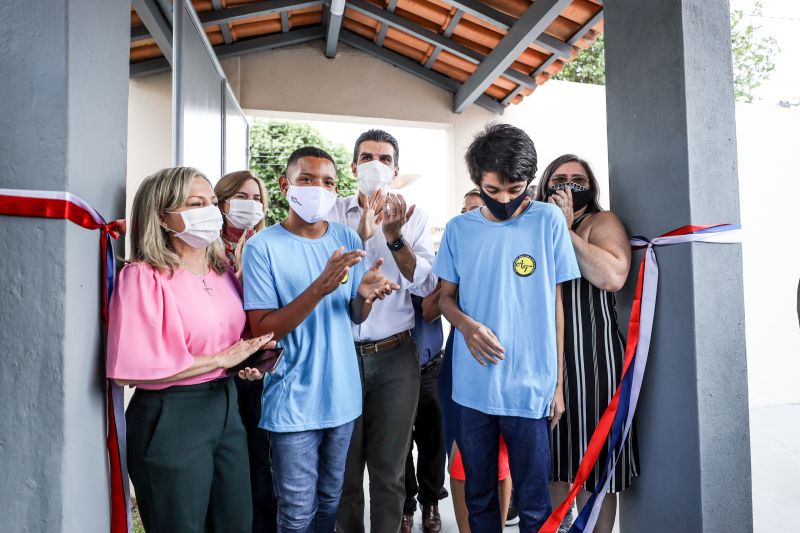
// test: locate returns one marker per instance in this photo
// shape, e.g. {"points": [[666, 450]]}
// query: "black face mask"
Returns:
{"points": [[581, 196], [500, 210]]}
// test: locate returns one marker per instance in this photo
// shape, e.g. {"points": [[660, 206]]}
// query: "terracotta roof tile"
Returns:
{"points": [[477, 35]]}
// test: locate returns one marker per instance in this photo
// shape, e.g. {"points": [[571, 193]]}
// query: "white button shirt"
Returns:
{"points": [[394, 313]]}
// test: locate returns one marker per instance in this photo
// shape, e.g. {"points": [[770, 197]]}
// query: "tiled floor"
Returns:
{"points": [[775, 447]]}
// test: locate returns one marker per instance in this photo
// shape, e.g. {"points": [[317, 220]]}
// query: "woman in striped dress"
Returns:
{"points": [[593, 346]]}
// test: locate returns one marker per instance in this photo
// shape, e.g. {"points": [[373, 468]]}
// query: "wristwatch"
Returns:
{"points": [[396, 245]]}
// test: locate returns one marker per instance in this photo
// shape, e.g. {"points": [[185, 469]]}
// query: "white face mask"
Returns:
{"points": [[202, 226], [244, 214], [311, 203], [374, 175]]}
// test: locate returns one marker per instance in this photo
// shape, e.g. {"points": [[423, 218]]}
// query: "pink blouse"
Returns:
{"points": [[157, 324]]}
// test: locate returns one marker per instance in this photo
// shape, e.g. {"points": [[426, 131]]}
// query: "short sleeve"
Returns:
{"points": [[563, 252], [146, 340], [357, 272], [259, 284], [444, 266]]}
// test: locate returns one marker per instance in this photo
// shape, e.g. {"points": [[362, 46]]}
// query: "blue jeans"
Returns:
{"points": [[528, 442], [307, 472]]}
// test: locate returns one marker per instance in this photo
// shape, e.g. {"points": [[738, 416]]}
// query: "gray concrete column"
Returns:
{"points": [[63, 117], [672, 162]]}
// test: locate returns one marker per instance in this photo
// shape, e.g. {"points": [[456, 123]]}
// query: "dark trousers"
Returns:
{"points": [[381, 438], [428, 480], [449, 408], [187, 458], [265, 504], [528, 442]]}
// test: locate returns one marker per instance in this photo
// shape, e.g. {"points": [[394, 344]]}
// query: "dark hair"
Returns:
{"points": [[379, 136], [503, 149], [594, 204], [308, 151], [472, 192]]}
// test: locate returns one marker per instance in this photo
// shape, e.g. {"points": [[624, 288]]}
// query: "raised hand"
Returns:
{"points": [[371, 216], [237, 254], [483, 344], [374, 285], [395, 216], [335, 270], [563, 200]]}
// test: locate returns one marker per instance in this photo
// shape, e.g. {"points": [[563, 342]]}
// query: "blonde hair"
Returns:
{"points": [[166, 190], [230, 183]]}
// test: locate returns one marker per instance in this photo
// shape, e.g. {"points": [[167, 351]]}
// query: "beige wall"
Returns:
{"points": [[300, 82], [300, 79], [149, 129]]}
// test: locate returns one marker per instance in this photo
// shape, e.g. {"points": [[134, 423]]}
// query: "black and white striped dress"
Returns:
{"points": [[594, 351]]}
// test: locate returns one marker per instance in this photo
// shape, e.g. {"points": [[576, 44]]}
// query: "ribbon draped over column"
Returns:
{"points": [[65, 206], [617, 419], [613, 427]]}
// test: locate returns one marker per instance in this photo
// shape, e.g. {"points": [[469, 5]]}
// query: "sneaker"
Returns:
{"points": [[567, 523], [512, 518]]}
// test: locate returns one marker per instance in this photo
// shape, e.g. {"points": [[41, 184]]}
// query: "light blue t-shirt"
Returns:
{"points": [[317, 384], [507, 274]]}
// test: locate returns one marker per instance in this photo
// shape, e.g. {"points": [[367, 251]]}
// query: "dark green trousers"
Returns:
{"points": [[187, 458]]}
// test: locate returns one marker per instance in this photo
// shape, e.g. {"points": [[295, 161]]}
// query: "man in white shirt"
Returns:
{"points": [[387, 354]]}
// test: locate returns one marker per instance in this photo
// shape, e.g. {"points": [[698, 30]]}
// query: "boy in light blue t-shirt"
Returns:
{"points": [[501, 267], [304, 281]]}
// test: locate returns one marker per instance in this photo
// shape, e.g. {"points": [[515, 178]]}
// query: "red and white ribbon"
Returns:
{"points": [[636, 354], [65, 206]]}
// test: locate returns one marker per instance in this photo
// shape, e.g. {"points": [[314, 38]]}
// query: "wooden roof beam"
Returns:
{"points": [[226, 31], [432, 37], [384, 26], [519, 36], [156, 24], [224, 16], [552, 59], [413, 67], [247, 46], [478, 9], [451, 26]]}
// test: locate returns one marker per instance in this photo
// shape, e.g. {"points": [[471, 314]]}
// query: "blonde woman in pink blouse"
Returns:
{"points": [[176, 325]]}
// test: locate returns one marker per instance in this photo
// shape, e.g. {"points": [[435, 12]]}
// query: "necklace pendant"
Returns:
{"points": [[206, 288]]}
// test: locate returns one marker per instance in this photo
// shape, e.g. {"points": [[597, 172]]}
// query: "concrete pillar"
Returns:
{"points": [[64, 89], [672, 162]]}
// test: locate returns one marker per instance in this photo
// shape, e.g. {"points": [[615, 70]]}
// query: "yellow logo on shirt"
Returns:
{"points": [[346, 278], [524, 265]]}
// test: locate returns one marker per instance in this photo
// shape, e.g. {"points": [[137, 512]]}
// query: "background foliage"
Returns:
{"points": [[271, 144], [752, 54], [588, 67], [752, 58]]}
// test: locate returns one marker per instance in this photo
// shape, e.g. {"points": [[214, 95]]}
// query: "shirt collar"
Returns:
{"points": [[352, 203]]}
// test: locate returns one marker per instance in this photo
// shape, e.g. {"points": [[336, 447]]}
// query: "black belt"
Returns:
{"points": [[370, 347]]}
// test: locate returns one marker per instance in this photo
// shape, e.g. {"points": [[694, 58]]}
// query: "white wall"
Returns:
{"points": [[561, 117], [768, 185]]}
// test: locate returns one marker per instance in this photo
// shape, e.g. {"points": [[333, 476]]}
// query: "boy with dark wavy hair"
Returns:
{"points": [[501, 267]]}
